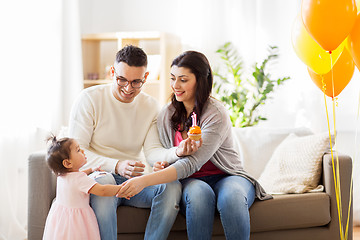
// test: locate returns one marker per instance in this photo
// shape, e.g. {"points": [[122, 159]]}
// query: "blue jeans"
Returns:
{"points": [[163, 200], [231, 196]]}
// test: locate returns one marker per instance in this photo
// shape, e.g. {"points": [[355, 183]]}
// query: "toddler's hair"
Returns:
{"points": [[58, 150]]}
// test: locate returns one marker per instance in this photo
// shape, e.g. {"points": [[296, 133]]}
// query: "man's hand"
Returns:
{"points": [[160, 165], [187, 147], [129, 168]]}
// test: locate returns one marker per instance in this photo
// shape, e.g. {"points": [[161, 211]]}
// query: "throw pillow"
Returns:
{"points": [[296, 164], [256, 145]]}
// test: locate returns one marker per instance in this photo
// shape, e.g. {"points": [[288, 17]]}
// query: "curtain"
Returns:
{"points": [[41, 74]]}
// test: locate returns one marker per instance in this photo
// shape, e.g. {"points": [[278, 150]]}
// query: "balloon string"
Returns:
{"points": [[333, 168], [350, 201], [336, 183], [323, 84], [338, 171], [332, 77]]}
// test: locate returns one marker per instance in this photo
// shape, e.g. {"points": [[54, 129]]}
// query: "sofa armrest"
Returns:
{"points": [[41, 192], [345, 168]]}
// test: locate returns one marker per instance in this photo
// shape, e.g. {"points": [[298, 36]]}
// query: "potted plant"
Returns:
{"points": [[243, 96]]}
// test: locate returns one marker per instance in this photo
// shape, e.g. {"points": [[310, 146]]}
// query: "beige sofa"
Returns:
{"points": [[287, 216]]}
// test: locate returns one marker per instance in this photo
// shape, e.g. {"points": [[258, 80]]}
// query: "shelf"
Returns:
{"points": [[100, 37]]}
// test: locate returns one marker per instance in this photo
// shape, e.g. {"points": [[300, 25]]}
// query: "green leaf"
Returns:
{"points": [[241, 96]]}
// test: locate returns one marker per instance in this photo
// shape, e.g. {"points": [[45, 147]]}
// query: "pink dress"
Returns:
{"points": [[70, 216]]}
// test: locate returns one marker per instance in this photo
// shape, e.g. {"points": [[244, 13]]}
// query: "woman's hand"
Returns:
{"points": [[188, 147], [160, 165], [131, 187]]}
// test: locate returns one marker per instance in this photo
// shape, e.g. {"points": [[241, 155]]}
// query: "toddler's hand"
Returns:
{"points": [[97, 169], [131, 187], [120, 194]]}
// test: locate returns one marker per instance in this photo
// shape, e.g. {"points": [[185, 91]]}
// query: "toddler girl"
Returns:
{"points": [[71, 216]]}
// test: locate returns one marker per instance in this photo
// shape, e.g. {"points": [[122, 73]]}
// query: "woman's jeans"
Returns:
{"points": [[163, 200], [232, 196]]}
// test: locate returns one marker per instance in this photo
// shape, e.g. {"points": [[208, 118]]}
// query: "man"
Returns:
{"points": [[114, 123]]}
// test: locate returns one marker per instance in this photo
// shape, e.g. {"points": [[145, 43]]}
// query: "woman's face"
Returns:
{"points": [[183, 84]]}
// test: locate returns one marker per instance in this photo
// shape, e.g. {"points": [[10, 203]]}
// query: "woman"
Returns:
{"points": [[213, 177]]}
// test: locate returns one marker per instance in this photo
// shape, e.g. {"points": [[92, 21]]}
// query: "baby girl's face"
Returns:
{"points": [[77, 156]]}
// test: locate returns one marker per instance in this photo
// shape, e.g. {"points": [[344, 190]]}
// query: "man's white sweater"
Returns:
{"points": [[109, 130]]}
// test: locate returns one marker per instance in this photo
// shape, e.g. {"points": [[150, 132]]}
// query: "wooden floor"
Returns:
{"points": [[356, 233]]}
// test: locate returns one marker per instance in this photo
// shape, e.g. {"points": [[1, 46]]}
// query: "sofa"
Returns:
{"points": [[296, 216]]}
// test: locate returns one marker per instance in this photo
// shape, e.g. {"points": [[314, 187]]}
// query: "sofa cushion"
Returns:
{"points": [[256, 145], [290, 211], [132, 219], [295, 166], [136, 219]]}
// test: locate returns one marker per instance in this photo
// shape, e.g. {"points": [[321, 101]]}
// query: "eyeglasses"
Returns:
{"points": [[123, 82]]}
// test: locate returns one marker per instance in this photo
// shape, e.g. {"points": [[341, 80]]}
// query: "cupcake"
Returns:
{"points": [[194, 133]]}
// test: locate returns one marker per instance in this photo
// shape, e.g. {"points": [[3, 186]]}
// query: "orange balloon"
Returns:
{"points": [[316, 58], [341, 75], [328, 21], [353, 42]]}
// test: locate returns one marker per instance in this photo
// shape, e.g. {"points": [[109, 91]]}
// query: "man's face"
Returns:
{"points": [[123, 73]]}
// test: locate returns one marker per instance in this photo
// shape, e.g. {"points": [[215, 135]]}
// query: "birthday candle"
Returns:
{"points": [[193, 119]]}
